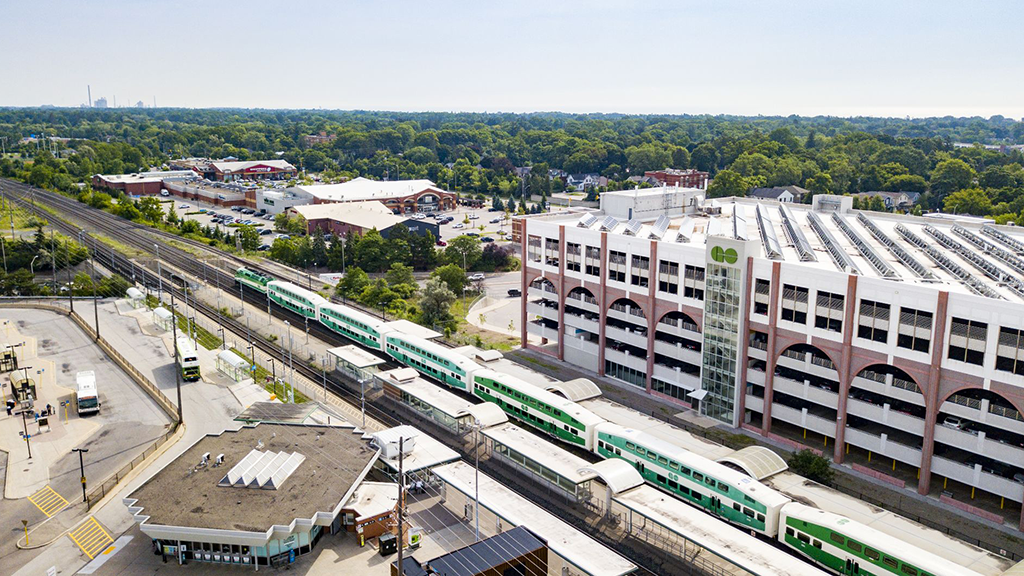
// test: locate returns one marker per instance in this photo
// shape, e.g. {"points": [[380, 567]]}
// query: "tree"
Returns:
{"points": [[811, 466], [378, 294], [424, 253], [399, 277], [126, 209], [436, 303], [705, 157], [906, 183], [463, 251], [319, 248], [496, 257], [248, 237], [646, 157], [335, 254], [172, 216], [950, 176], [372, 252], [353, 283], [727, 183], [453, 276], [151, 210], [971, 201], [820, 183]]}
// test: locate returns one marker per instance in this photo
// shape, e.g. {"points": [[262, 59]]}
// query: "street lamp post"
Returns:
{"points": [[159, 275], [81, 466]]}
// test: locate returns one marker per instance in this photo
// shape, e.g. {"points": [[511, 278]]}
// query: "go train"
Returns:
{"points": [[828, 540]]}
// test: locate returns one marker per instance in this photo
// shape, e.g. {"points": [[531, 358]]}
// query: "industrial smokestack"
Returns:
{"points": [[89, 88]]}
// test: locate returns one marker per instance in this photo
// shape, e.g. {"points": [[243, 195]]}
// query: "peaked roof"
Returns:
{"points": [[366, 189]]}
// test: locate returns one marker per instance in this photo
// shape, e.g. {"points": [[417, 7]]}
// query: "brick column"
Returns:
{"points": [[602, 295], [744, 340], [932, 394], [561, 292], [844, 370], [652, 320], [769, 369], [522, 296]]}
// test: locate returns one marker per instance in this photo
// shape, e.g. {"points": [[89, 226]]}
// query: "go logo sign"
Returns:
{"points": [[727, 255]]}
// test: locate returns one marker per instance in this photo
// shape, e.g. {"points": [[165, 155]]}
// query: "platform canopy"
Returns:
{"points": [[757, 462], [488, 414], [576, 390], [616, 474]]}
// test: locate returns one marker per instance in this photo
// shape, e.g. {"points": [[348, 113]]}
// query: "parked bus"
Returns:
{"points": [[188, 359], [87, 398]]}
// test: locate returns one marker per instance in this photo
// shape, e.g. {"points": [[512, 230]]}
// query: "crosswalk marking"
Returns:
{"points": [[48, 501], [91, 537]]}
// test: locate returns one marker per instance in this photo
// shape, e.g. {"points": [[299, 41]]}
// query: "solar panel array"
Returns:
{"points": [[865, 249], [609, 223], [633, 227], [839, 256], [902, 255], [966, 278], [987, 268], [685, 231], [796, 236], [587, 221], [660, 227], [1005, 256], [714, 227], [772, 248], [1010, 241], [739, 223]]}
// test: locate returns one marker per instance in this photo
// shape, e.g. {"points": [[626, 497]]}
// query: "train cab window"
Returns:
{"points": [[737, 507], [871, 553], [803, 538], [600, 444], [789, 531], [748, 512], [618, 452], [837, 538], [816, 543], [760, 517], [908, 569], [698, 476]]}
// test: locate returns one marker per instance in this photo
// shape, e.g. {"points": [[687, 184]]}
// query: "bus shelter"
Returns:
{"points": [[233, 365], [163, 318], [136, 298]]}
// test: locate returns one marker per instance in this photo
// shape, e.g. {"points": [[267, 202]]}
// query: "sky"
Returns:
{"points": [[805, 57]]}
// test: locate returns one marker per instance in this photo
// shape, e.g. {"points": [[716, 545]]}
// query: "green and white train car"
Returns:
{"points": [[718, 489], [850, 548], [294, 298], [536, 407], [253, 279], [430, 359], [355, 325]]}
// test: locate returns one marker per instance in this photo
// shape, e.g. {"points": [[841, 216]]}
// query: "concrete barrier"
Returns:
{"points": [[879, 475]]}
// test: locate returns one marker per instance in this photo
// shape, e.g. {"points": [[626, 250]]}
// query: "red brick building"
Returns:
{"points": [[139, 184], [689, 178]]}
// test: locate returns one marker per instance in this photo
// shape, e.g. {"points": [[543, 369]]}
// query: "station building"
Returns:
{"points": [[360, 217], [900, 338], [400, 196], [261, 495]]}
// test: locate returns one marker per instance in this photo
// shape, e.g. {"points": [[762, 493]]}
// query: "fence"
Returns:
{"points": [[111, 482]]}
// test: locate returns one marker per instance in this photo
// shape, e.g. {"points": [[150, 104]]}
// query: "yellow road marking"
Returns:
{"points": [[91, 537], [48, 501]]}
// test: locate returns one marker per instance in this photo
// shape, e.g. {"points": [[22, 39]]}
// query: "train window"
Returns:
{"points": [[803, 538], [789, 531], [871, 553], [600, 444], [696, 495], [698, 476], [748, 512], [908, 569], [685, 470], [641, 450], [662, 460], [672, 484], [890, 561], [673, 465], [736, 506], [837, 538], [661, 479], [723, 487], [816, 543], [630, 446], [760, 517], [618, 452], [709, 481], [684, 490]]}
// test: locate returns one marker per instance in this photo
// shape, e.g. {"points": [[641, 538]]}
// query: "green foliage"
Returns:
{"points": [[248, 237], [399, 277], [971, 201], [811, 466], [353, 283], [950, 176], [435, 304], [453, 276], [463, 251]]}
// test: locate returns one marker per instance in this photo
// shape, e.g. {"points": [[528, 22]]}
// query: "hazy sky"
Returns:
{"points": [[886, 58]]}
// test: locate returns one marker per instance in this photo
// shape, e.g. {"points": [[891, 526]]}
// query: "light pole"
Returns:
{"points": [[81, 466], [159, 275], [32, 265]]}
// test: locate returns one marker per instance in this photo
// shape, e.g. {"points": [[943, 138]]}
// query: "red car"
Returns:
{"points": [[442, 243]]}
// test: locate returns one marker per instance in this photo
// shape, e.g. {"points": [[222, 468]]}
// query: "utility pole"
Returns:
{"points": [[401, 499], [53, 262], [81, 466], [273, 375], [177, 363], [24, 424]]}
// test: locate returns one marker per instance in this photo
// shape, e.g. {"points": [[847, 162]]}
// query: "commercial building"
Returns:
{"points": [[140, 183], [359, 217], [278, 201], [232, 169], [683, 178], [400, 196], [263, 494], [895, 338]]}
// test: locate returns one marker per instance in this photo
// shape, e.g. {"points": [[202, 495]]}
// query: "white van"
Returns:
{"points": [[164, 192]]}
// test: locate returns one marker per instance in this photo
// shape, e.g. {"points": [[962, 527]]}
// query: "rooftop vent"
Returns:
{"points": [[266, 470]]}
